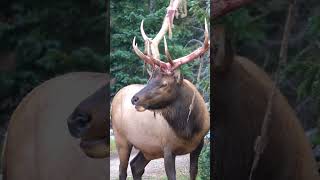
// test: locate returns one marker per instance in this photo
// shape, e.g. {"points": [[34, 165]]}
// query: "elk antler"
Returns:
{"points": [[151, 45]]}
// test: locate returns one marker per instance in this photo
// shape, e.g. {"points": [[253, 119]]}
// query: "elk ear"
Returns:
{"points": [[178, 76], [222, 51]]}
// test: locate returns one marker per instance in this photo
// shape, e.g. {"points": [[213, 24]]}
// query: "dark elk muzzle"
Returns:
{"points": [[141, 100], [89, 123], [135, 101]]}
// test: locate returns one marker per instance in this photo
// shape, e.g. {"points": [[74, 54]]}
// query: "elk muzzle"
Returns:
{"points": [[81, 126], [135, 102], [143, 99]]}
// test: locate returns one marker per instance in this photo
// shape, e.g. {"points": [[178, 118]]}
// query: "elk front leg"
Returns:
{"points": [[194, 156], [124, 150], [137, 166], [169, 164]]}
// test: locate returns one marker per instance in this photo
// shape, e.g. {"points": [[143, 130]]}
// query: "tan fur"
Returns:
{"points": [[149, 131], [39, 146]]}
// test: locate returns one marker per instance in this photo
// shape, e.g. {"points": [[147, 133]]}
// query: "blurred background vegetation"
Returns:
{"points": [[257, 32], [42, 39]]}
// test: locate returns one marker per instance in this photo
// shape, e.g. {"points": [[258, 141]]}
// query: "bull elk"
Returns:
{"points": [[165, 118], [38, 145]]}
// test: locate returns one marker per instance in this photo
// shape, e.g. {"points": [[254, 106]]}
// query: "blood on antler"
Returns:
{"points": [[151, 55]]}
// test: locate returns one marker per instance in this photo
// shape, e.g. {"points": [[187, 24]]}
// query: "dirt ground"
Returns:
{"points": [[154, 170]]}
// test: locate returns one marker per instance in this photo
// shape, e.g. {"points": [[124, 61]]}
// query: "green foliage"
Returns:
{"points": [[47, 39], [314, 23], [197, 8], [316, 139], [307, 74], [304, 68], [204, 162], [257, 32], [247, 27]]}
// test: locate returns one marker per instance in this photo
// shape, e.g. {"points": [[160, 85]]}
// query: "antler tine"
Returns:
{"points": [[148, 49], [145, 37], [148, 59], [167, 52], [206, 34], [195, 54], [140, 54]]}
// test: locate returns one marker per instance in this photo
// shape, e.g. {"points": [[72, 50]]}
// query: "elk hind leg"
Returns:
{"points": [[137, 166]]}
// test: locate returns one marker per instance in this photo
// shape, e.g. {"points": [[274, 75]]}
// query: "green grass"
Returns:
{"points": [[113, 148]]}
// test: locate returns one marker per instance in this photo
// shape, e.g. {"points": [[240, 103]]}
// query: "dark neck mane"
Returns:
{"points": [[177, 113]]}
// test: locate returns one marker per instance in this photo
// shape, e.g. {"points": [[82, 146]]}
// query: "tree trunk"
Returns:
{"points": [[152, 6]]}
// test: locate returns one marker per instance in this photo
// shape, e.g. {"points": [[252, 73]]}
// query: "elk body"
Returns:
{"points": [[165, 118], [241, 94], [39, 145], [163, 129]]}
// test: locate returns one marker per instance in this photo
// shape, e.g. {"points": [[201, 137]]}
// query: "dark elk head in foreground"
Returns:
{"points": [[165, 78], [89, 123]]}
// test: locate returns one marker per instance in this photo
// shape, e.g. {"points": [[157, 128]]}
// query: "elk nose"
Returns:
{"points": [[134, 100], [78, 123]]}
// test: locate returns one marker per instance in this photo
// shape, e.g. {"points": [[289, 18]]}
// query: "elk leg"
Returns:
{"points": [[194, 156], [169, 164], [124, 150], [137, 166]]}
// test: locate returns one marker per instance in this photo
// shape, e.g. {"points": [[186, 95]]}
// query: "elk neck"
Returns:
{"points": [[185, 122]]}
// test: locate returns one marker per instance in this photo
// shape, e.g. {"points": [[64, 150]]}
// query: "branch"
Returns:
{"points": [[262, 139], [286, 33]]}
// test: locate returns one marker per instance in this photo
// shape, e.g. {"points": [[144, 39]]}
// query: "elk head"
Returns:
{"points": [[165, 78]]}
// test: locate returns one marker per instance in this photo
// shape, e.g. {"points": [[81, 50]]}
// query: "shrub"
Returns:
{"points": [[204, 162]]}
